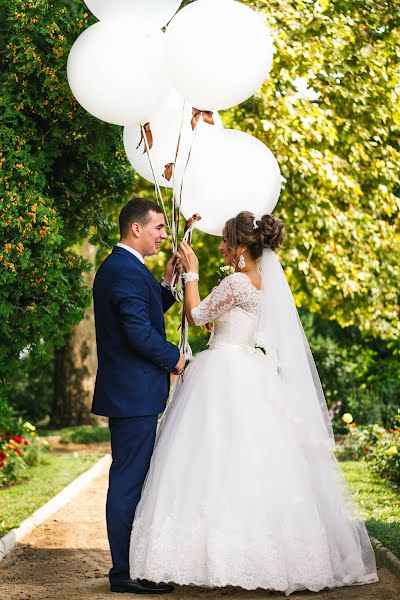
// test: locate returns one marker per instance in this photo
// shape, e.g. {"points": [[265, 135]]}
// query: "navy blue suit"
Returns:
{"points": [[132, 384]]}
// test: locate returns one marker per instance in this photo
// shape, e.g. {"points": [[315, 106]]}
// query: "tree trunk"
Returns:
{"points": [[76, 365]]}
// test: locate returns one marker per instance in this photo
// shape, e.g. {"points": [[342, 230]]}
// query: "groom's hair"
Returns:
{"points": [[136, 211]]}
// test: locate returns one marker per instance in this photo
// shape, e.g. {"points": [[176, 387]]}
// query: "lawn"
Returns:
{"points": [[45, 481], [379, 501], [81, 434]]}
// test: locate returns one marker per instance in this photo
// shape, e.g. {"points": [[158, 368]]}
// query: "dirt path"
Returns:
{"points": [[67, 558]]}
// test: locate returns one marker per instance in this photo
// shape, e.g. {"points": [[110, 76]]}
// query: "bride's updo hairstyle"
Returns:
{"points": [[241, 231]]}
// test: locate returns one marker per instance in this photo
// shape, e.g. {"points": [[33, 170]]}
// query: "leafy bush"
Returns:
{"points": [[358, 374], [31, 388], [54, 156], [375, 444], [8, 421], [359, 441], [19, 452], [385, 455]]}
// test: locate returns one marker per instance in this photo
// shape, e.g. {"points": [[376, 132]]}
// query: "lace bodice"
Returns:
{"points": [[233, 306]]}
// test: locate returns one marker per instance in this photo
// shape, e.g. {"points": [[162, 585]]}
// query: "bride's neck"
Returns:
{"points": [[251, 267]]}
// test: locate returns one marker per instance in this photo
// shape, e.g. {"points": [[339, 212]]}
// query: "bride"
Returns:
{"points": [[243, 487]]}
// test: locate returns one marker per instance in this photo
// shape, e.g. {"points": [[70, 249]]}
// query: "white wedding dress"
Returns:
{"points": [[236, 493]]}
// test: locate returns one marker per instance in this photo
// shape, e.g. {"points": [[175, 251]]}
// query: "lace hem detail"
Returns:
{"points": [[230, 557], [265, 584]]}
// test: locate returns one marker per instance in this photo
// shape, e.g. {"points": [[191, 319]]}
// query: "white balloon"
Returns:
{"points": [[152, 14], [229, 171], [174, 118], [116, 72], [218, 53]]}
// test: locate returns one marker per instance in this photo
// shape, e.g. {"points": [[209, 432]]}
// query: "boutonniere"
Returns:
{"points": [[225, 270]]}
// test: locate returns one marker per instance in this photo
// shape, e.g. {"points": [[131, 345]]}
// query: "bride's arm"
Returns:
{"points": [[191, 299], [227, 294]]}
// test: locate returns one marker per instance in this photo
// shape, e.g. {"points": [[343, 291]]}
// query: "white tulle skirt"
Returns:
{"points": [[237, 495]]}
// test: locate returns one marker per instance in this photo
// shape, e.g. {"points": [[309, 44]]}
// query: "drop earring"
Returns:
{"points": [[242, 262]]}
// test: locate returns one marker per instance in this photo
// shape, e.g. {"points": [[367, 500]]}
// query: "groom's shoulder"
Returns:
{"points": [[117, 264]]}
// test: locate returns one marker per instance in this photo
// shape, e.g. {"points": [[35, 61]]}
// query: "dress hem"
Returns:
{"points": [[373, 578]]}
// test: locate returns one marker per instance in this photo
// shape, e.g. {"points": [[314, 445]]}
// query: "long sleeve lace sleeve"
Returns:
{"points": [[224, 296]]}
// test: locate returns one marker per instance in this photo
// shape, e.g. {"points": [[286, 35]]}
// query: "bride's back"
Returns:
{"points": [[233, 306]]}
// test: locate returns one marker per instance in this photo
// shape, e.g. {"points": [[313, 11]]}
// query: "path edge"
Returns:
{"points": [[385, 557], [10, 539]]}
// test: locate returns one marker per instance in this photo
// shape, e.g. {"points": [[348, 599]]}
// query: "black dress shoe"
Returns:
{"points": [[141, 586]]}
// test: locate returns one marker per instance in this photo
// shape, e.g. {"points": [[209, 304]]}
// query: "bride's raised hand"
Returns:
{"points": [[188, 258]]}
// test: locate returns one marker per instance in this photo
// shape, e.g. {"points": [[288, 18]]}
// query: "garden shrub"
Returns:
{"points": [[18, 451], [380, 447]]}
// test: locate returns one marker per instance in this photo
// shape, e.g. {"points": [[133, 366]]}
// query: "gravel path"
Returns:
{"points": [[67, 558]]}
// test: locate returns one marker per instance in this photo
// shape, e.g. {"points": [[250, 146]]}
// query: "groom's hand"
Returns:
{"points": [[169, 268], [180, 366]]}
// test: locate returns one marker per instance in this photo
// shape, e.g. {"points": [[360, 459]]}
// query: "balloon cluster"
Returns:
{"points": [[165, 88]]}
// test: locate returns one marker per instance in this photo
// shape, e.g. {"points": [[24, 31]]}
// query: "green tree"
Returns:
{"points": [[62, 173], [338, 148]]}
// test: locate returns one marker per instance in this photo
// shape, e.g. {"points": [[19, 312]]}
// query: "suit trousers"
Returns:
{"points": [[132, 443]]}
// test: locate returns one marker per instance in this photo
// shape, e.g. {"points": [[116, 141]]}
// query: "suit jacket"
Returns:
{"points": [[134, 356]]}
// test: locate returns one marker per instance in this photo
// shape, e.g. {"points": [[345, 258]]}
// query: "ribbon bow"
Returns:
{"points": [[206, 114], [168, 171], [145, 131]]}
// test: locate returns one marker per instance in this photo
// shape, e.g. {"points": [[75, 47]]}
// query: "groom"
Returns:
{"points": [[134, 363]]}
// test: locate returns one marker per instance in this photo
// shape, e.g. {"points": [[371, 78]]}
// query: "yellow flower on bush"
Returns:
{"points": [[391, 451], [347, 418], [29, 427]]}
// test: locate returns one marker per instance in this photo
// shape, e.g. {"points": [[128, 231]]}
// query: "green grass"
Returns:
{"points": [[379, 501], [82, 434], [20, 501]]}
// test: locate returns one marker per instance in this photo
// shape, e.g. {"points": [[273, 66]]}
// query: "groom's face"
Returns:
{"points": [[152, 234]]}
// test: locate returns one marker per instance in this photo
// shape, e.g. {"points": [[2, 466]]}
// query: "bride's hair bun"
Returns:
{"points": [[272, 231], [246, 230]]}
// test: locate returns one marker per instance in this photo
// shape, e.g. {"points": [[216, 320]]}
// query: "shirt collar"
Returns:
{"points": [[132, 251]]}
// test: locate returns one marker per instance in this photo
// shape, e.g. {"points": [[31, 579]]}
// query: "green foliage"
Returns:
{"points": [[359, 441], [61, 172], [19, 452], [386, 456], [8, 420], [359, 374], [378, 446], [338, 148], [31, 390]]}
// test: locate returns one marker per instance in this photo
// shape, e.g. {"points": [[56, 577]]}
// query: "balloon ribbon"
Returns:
{"points": [[168, 171], [145, 131], [206, 114], [184, 345]]}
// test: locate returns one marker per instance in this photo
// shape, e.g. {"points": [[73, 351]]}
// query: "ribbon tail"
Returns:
{"points": [[168, 171], [145, 130]]}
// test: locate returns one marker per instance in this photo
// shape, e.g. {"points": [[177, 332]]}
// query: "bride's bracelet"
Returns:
{"points": [[190, 276]]}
